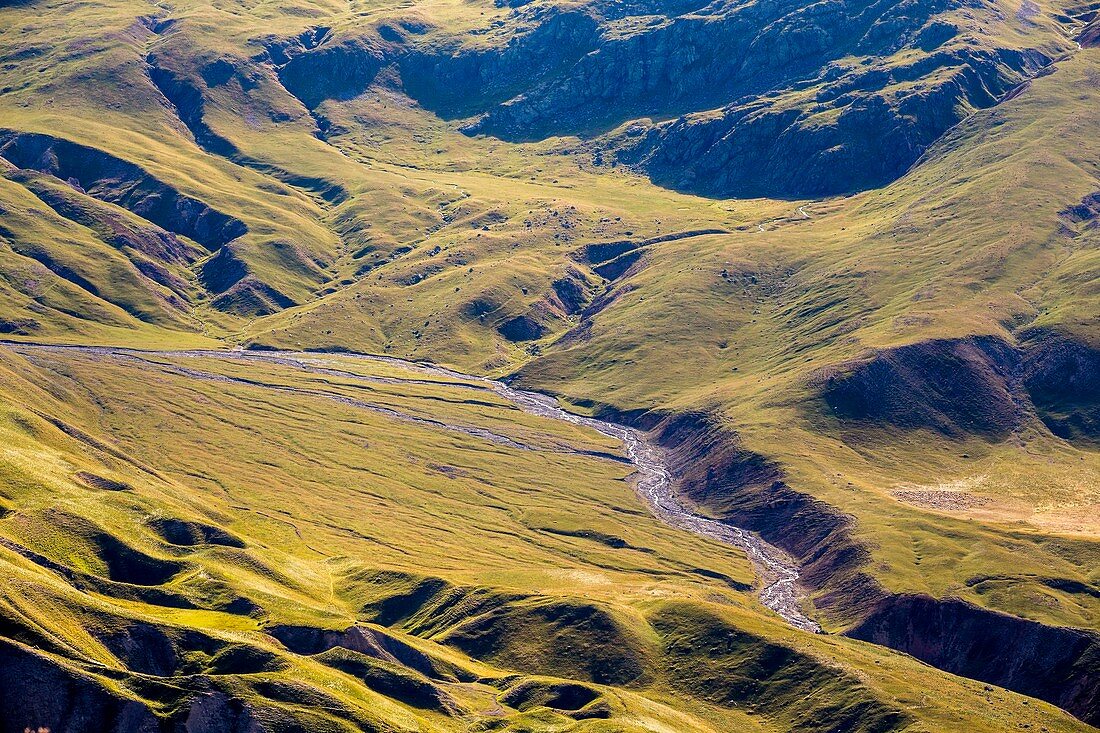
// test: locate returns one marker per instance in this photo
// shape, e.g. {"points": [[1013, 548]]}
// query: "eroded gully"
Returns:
{"points": [[778, 573]]}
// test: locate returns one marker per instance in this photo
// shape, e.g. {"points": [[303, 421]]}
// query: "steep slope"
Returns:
{"points": [[740, 99], [162, 583], [908, 361], [897, 386]]}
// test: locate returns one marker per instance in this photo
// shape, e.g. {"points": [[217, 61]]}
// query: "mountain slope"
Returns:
{"points": [[338, 580], [887, 367]]}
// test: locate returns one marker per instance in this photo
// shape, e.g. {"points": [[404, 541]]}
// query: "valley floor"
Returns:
{"points": [[795, 309], [385, 542]]}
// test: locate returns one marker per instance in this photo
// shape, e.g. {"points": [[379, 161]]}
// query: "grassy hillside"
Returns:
{"points": [[884, 362], [787, 341], [494, 592]]}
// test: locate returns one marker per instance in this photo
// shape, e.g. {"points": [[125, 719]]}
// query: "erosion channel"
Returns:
{"points": [[778, 573]]}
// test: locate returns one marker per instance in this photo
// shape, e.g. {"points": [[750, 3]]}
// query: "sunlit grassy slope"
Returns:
{"points": [[974, 241], [349, 215], [147, 509]]}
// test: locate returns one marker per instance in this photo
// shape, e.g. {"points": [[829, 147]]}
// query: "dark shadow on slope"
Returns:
{"points": [[1056, 664], [188, 534], [116, 181], [578, 701], [1062, 377], [188, 100], [715, 661], [37, 693], [392, 680], [955, 387], [711, 468]]}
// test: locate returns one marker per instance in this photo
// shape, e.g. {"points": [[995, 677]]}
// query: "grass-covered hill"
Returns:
{"points": [[839, 258], [197, 544]]}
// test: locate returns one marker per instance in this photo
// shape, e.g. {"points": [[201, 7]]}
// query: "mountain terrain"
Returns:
{"points": [[835, 264]]}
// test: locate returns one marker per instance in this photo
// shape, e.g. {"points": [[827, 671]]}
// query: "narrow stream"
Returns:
{"points": [[778, 573]]}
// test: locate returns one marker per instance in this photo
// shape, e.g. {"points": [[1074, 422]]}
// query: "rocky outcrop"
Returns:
{"points": [[332, 71], [714, 470], [669, 65], [763, 98], [613, 260], [1089, 37], [571, 292], [859, 132], [782, 99], [1055, 664], [458, 81], [37, 693]]}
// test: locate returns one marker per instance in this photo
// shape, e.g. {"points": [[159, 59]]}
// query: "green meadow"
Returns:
{"points": [[895, 380]]}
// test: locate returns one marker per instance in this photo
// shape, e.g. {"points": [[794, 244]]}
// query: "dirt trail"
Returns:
{"points": [[654, 483]]}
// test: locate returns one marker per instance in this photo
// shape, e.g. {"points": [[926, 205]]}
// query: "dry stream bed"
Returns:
{"points": [[654, 484]]}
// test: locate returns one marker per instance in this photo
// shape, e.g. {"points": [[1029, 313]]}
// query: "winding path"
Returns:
{"points": [[779, 574]]}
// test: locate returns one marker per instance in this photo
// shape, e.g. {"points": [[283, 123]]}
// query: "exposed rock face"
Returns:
{"points": [[1090, 36], [781, 99], [337, 71], [459, 82], [748, 490], [571, 292], [664, 65], [764, 99], [1055, 664], [216, 712], [37, 693], [859, 133]]}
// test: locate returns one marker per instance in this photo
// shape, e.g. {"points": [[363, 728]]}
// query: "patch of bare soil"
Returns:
{"points": [[942, 500]]}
